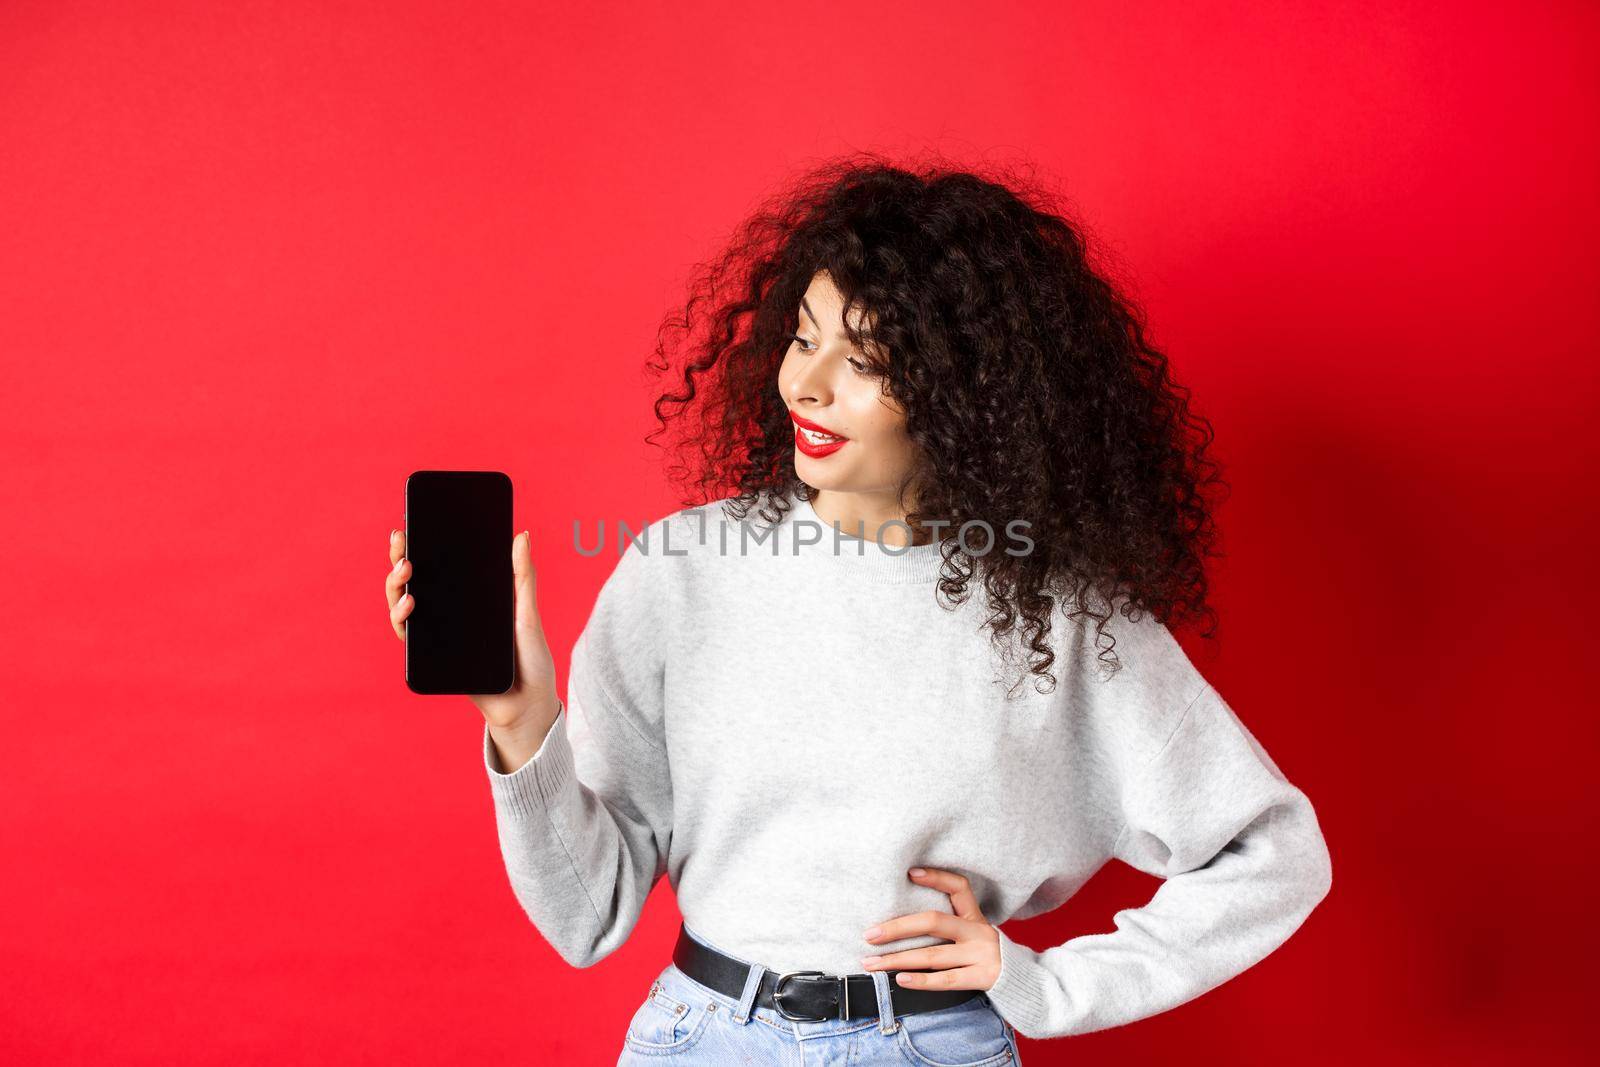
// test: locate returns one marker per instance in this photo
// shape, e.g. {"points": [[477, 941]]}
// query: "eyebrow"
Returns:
{"points": [[865, 336], [807, 307]]}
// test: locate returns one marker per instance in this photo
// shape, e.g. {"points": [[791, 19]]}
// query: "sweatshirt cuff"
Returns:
{"points": [[533, 787], [1018, 993]]}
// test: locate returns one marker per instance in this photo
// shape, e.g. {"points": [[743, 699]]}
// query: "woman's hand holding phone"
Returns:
{"points": [[520, 717]]}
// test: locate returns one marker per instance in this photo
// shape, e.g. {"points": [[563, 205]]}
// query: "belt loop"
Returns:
{"points": [[747, 999], [887, 1023]]}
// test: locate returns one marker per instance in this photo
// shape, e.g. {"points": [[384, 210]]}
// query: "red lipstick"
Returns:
{"points": [[811, 448]]}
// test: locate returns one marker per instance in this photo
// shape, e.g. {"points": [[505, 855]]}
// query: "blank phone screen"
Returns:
{"points": [[460, 635]]}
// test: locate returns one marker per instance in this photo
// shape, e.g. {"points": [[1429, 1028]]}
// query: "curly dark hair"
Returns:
{"points": [[1028, 385]]}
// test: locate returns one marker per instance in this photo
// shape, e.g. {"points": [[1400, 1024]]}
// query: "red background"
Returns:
{"points": [[260, 261]]}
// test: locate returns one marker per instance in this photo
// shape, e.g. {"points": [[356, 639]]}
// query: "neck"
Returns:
{"points": [[868, 515]]}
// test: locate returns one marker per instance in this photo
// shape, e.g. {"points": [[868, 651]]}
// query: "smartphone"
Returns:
{"points": [[461, 633]]}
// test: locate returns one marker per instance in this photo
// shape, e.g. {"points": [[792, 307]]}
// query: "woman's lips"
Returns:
{"points": [[813, 440], [816, 451]]}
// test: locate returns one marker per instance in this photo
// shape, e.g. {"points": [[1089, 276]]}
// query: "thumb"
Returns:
{"points": [[527, 585]]}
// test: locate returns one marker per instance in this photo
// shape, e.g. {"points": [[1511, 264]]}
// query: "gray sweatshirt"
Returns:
{"points": [[784, 721]]}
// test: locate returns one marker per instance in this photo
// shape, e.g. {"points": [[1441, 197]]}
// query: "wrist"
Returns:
{"points": [[533, 723], [515, 744]]}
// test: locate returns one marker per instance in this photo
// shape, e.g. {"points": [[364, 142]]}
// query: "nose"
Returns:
{"points": [[813, 383]]}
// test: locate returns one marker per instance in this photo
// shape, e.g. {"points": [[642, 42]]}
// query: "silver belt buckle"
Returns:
{"points": [[844, 995]]}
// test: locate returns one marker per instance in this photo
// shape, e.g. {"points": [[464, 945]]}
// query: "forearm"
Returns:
{"points": [[1201, 928], [581, 859]]}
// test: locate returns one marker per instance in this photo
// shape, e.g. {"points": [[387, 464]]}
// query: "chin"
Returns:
{"points": [[815, 473]]}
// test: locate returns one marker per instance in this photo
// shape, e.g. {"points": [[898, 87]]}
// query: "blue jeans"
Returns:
{"points": [[684, 1022]]}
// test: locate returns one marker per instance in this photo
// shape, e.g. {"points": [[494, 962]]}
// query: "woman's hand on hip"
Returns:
{"points": [[971, 962]]}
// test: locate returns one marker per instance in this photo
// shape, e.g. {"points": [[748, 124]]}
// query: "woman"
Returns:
{"points": [[896, 387]]}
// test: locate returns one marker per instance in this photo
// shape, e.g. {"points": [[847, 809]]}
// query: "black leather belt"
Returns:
{"points": [[807, 996]]}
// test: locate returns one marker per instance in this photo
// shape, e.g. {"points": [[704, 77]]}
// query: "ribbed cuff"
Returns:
{"points": [[1017, 994], [533, 787]]}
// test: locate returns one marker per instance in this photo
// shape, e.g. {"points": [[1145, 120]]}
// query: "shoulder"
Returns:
{"points": [[654, 556], [1137, 707], [693, 534]]}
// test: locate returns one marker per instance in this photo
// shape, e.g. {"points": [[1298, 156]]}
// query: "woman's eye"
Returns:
{"points": [[807, 346]]}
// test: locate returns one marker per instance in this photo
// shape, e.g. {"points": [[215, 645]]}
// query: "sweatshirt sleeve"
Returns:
{"points": [[1243, 861], [585, 825]]}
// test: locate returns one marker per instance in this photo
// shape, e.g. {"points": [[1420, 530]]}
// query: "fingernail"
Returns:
{"points": [[868, 961], [399, 561], [393, 534], [917, 872], [872, 933]]}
